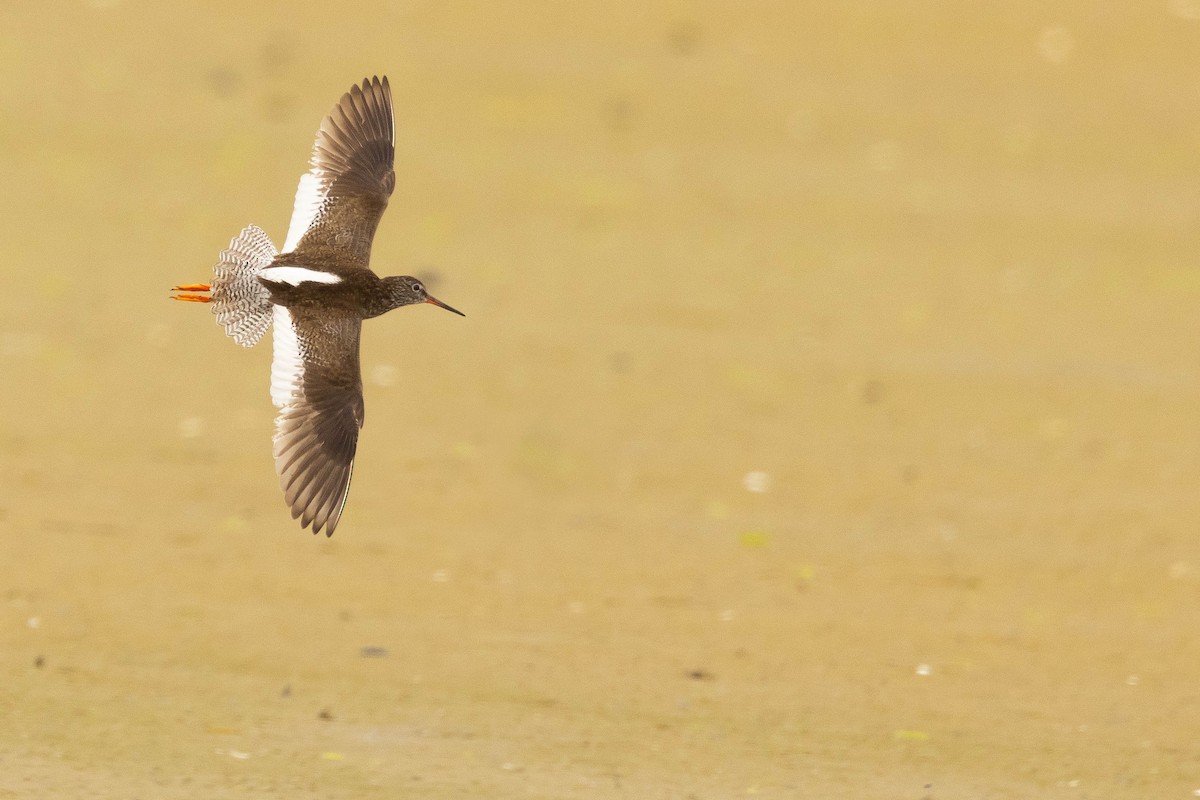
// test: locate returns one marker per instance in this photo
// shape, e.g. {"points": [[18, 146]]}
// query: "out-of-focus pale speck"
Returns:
{"points": [[465, 450], [716, 509], [14, 343], [884, 155], [1185, 9], [1053, 428], [384, 375], [158, 335], [234, 524], [920, 196], [440, 576], [801, 124], [1132, 680], [661, 164], [246, 418], [34, 622], [191, 427], [575, 607], [1015, 280], [924, 670], [977, 438], [1018, 138], [756, 481], [726, 615], [916, 315], [1179, 570], [1056, 44]]}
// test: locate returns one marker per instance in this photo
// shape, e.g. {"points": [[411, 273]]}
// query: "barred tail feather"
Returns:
{"points": [[240, 301]]}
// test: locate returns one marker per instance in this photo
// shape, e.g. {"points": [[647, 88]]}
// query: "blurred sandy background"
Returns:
{"points": [[825, 422]]}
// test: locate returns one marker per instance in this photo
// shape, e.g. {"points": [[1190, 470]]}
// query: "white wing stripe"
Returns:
{"points": [[287, 365], [309, 196], [298, 275]]}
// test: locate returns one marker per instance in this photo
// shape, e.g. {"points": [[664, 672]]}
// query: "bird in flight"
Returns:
{"points": [[315, 295]]}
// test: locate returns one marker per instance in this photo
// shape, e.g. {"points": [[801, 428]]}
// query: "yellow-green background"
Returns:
{"points": [[933, 268]]}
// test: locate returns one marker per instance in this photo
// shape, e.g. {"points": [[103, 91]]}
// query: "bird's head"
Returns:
{"points": [[403, 290]]}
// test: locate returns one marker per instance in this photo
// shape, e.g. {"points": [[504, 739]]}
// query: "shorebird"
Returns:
{"points": [[316, 293]]}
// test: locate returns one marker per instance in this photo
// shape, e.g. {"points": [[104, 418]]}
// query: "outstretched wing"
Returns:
{"points": [[317, 384], [341, 198]]}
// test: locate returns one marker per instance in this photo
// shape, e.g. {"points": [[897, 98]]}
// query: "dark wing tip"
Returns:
{"points": [[356, 143], [315, 486], [314, 456]]}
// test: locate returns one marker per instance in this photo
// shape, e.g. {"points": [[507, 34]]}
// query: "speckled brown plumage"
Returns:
{"points": [[317, 293]]}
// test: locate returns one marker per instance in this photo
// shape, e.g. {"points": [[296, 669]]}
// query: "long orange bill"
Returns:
{"points": [[439, 303], [191, 287]]}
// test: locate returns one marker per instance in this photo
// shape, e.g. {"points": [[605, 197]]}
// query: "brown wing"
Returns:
{"points": [[341, 198], [316, 375]]}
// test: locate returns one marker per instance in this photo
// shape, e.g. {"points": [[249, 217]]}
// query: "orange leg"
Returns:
{"points": [[192, 298]]}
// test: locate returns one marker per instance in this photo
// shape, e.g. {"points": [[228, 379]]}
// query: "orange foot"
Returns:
{"points": [[192, 298]]}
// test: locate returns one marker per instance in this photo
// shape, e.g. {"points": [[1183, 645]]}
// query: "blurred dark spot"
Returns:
{"points": [[589, 218], [373, 652], [966, 583], [621, 362], [287, 691], [909, 473], [873, 391], [1092, 449], [278, 106], [223, 81], [39, 662], [57, 526], [701, 675], [344, 615], [618, 113], [683, 37], [431, 278], [325, 714], [276, 54]]}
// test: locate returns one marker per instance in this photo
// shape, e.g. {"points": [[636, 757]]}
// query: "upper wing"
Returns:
{"points": [[340, 199], [317, 384]]}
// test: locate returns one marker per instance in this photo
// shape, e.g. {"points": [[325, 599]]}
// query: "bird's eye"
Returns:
{"points": [[418, 288]]}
